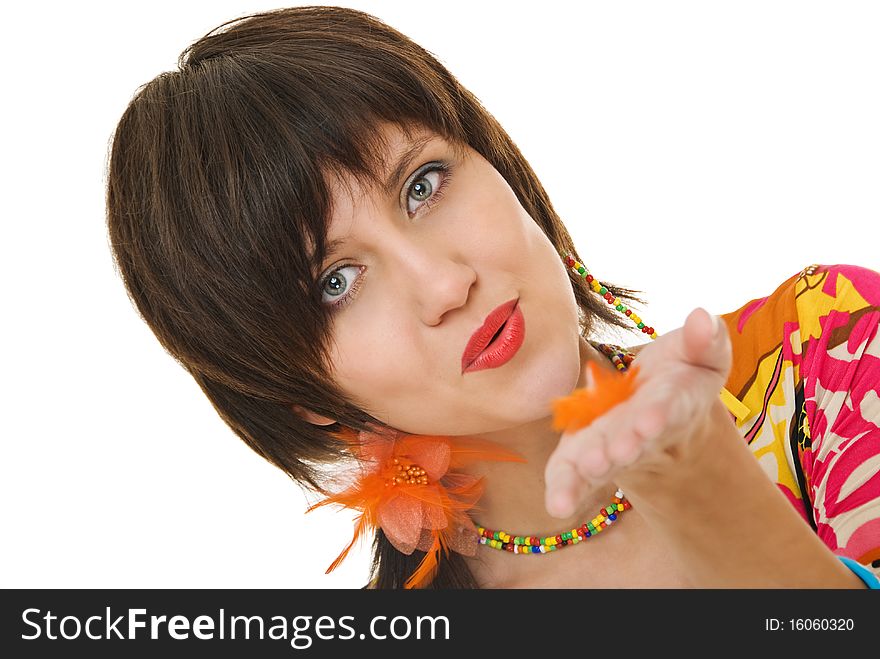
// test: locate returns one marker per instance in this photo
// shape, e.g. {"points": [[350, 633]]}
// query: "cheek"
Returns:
{"points": [[373, 363], [515, 239]]}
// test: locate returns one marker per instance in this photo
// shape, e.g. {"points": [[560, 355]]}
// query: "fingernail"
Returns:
{"points": [[716, 325]]}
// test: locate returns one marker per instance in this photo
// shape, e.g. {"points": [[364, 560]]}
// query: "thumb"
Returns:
{"points": [[707, 342]]}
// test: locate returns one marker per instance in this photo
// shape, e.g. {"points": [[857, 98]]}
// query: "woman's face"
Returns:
{"points": [[423, 265]]}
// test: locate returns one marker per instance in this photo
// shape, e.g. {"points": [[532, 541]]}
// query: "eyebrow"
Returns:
{"points": [[389, 186], [403, 163]]}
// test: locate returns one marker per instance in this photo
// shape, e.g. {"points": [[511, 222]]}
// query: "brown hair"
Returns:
{"points": [[217, 208]]}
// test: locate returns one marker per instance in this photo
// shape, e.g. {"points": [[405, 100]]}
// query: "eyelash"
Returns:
{"points": [[433, 199]]}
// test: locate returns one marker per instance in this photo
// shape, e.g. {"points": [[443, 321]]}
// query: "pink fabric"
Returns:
{"points": [[807, 364]]}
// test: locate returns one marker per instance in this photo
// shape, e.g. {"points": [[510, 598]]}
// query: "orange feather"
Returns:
{"points": [[580, 408], [427, 568], [432, 512]]}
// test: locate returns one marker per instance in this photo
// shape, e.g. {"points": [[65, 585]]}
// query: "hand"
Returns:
{"points": [[673, 409]]}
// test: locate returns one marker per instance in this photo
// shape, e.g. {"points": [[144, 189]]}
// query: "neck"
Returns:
{"points": [[513, 495]]}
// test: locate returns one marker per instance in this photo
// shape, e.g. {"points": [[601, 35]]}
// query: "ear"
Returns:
{"points": [[312, 417]]}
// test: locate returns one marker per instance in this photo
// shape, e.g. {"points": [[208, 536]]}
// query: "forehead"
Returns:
{"points": [[388, 148], [392, 152]]}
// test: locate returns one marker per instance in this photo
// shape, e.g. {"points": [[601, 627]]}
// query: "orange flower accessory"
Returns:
{"points": [[580, 408], [408, 487]]}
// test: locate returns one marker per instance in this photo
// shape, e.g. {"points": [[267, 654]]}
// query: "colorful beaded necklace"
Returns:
{"points": [[530, 544]]}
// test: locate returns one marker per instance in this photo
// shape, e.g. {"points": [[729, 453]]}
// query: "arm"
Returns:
{"points": [[727, 522], [688, 470], [837, 311]]}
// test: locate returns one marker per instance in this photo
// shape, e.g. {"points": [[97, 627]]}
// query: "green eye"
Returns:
{"points": [[424, 190], [335, 283]]}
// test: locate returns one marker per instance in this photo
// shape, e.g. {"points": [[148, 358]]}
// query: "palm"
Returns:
{"points": [[680, 375]]}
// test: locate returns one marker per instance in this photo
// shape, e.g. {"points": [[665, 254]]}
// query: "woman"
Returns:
{"points": [[326, 230]]}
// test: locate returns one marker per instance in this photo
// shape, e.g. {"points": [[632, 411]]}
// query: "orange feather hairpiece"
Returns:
{"points": [[407, 486]]}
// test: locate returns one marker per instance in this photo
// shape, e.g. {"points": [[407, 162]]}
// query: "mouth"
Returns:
{"points": [[497, 340]]}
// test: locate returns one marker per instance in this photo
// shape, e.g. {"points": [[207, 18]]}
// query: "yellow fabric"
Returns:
{"points": [[738, 409]]}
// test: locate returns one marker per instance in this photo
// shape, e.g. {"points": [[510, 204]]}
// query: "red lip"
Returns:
{"points": [[504, 347]]}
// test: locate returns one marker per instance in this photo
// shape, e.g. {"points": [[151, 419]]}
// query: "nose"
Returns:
{"points": [[439, 282]]}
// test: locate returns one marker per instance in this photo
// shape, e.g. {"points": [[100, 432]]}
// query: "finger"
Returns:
{"points": [[625, 449], [621, 448], [584, 450], [706, 342], [562, 489], [592, 460], [652, 421], [699, 331]]}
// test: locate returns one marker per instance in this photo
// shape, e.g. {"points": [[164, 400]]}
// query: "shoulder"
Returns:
{"points": [[840, 287], [804, 301], [810, 300], [836, 305]]}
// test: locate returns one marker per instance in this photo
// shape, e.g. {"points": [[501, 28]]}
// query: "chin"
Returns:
{"points": [[553, 373]]}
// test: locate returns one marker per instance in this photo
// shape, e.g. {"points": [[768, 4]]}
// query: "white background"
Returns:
{"points": [[700, 152]]}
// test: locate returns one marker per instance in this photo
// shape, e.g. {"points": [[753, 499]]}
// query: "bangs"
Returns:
{"points": [[288, 122], [232, 161]]}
